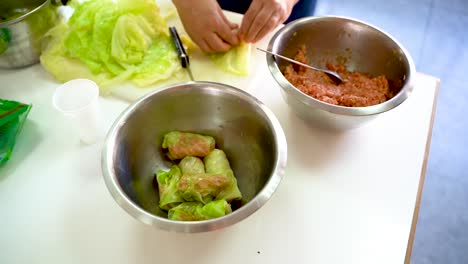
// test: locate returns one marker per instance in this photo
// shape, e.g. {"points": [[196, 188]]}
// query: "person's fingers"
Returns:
{"points": [[230, 24], [206, 25], [216, 44], [249, 18], [273, 22], [260, 21], [210, 41], [233, 25], [198, 40], [204, 46], [226, 34], [225, 31]]}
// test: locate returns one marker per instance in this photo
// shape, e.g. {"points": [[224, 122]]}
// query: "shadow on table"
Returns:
{"points": [[26, 141]]}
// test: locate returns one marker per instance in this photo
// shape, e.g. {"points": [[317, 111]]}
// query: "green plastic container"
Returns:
{"points": [[12, 117]]}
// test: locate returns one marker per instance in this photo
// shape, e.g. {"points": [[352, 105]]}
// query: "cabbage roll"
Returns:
{"points": [[168, 181], [203, 187], [192, 165], [182, 144], [195, 211], [216, 163]]}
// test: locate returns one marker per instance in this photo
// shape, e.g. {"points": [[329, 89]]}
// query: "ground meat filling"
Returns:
{"points": [[358, 89]]}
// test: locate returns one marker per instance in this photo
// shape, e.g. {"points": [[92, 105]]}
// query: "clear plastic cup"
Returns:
{"points": [[78, 101]]}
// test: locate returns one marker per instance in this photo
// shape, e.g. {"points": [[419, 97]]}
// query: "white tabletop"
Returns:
{"points": [[345, 198]]}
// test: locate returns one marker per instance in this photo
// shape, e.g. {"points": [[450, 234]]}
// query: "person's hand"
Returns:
{"points": [[206, 24], [263, 16]]}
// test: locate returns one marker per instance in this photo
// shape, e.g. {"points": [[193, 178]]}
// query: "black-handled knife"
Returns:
{"points": [[183, 56]]}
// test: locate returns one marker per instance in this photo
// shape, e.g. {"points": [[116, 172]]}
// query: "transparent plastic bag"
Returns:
{"points": [[12, 117]]}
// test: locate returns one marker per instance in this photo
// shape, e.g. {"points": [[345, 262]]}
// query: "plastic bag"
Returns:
{"points": [[12, 117]]}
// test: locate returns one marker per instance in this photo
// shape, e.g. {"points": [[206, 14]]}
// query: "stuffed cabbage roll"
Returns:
{"points": [[216, 163], [195, 211], [203, 187], [182, 144], [168, 181], [192, 165]]}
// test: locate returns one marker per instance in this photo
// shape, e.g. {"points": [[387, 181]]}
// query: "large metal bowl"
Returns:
{"points": [[21, 37], [360, 46], [243, 127]]}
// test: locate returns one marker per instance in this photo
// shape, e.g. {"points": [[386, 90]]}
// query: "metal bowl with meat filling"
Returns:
{"points": [[351, 46]]}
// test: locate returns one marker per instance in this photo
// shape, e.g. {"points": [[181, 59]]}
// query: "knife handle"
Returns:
{"points": [[184, 59]]}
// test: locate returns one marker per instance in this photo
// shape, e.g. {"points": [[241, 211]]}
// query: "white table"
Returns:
{"points": [[345, 198]]}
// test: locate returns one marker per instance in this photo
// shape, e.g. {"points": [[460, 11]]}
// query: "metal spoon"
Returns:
{"points": [[336, 78]]}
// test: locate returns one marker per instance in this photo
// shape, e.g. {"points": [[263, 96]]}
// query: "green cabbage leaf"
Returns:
{"points": [[111, 42], [235, 61]]}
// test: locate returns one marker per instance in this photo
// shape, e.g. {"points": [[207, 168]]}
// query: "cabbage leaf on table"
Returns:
{"points": [[236, 60], [110, 42]]}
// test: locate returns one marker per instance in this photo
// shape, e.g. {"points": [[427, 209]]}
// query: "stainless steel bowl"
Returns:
{"points": [[21, 37], [243, 127], [360, 46]]}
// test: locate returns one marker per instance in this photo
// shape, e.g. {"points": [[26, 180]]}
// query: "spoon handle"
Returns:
{"points": [[333, 75], [288, 59]]}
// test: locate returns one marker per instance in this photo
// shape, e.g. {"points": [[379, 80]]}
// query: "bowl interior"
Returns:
{"points": [[234, 119], [359, 47]]}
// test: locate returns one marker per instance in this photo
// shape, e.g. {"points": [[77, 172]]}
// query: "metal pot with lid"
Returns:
{"points": [[23, 23]]}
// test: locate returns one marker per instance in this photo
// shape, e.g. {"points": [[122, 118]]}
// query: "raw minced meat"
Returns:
{"points": [[357, 90]]}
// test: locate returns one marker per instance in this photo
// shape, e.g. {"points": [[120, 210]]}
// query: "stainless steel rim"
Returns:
{"points": [[200, 226], [342, 110], [18, 19]]}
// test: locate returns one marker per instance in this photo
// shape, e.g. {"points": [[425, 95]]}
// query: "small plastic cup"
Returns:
{"points": [[78, 101]]}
